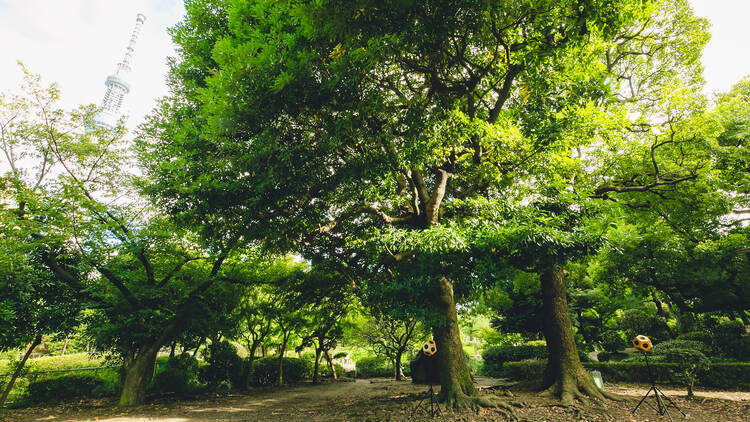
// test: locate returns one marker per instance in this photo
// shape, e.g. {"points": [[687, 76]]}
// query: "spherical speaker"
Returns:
{"points": [[429, 348], [642, 343]]}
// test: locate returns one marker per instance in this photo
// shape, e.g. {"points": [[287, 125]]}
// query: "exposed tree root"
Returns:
{"points": [[461, 401], [579, 386]]}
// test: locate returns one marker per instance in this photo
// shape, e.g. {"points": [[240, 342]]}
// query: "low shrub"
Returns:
{"points": [[223, 364], [529, 369], [702, 336], [374, 367], [690, 362], [634, 371], [180, 376], [726, 375], [731, 341], [325, 370], [661, 350], [67, 387], [495, 356], [266, 370]]}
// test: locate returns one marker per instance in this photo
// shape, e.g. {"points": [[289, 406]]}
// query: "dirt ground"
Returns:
{"points": [[386, 400]]}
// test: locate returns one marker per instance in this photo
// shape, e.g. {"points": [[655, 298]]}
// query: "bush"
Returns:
{"points": [[180, 376], [69, 386], [529, 369], [325, 370], [266, 370], [690, 362], [374, 367], [223, 365], [613, 341], [634, 322], [730, 340], [702, 336], [495, 356], [663, 349]]}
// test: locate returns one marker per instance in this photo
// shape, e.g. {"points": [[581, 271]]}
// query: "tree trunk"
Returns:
{"points": [[455, 381], [282, 348], [19, 368], [65, 345], [249, 366], [172, 349], [137, 376], [316, 369], [330, 365], [397, 367], [564, 377], [200, 343]]}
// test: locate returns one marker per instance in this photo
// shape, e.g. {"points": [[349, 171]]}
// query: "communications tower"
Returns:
{"points": [[116, 84]]}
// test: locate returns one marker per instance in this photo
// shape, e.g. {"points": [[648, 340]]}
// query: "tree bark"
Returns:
{"points": [[19, 368], [397, 367], [456, 385], [137, 373], [316, 376], [250, 359], [330, 365], [65, 345], [282, 348], [564, 376]]}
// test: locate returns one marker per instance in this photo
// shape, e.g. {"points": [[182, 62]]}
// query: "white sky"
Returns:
{"points": [[77, 43]]}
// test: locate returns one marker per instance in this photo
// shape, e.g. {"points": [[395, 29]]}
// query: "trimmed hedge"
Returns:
{"points": [[728, 375], [495, 356], [266, 370], [374, 367], [70, 386]]}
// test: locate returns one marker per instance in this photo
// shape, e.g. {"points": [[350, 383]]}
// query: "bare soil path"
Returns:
{"points": [[383, 400]]}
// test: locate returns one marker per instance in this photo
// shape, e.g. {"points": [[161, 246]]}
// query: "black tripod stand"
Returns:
{"points": [[430, 395], [661, 404]]}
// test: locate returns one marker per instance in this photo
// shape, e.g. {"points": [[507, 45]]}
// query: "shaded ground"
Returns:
{"points": [[382, 400]]}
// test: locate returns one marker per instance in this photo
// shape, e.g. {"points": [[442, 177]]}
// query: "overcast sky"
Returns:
{"points": [[77, 43]]}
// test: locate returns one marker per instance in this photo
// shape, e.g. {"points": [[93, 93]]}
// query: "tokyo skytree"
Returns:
{"points": [[116, 84]]}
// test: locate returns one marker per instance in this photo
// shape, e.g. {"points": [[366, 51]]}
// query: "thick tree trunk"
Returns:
{"points": [[397, 367], [137, 373], [455, 381], [564, 377], [19, 368], [316, 370]]}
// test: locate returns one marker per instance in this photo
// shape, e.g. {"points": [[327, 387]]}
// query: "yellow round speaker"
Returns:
{"points": [[642, 343], [429, 348]]}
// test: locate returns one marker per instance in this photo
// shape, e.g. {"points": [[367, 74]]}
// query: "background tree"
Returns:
{"points": [[390, 337]]}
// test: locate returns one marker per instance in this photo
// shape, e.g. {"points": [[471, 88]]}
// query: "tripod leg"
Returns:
{"points": [[413, 412], [662, 406], [642, 400], [673, 404], [437, 405]]}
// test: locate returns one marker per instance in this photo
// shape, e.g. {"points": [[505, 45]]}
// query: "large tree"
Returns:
{"points": [[369, 132]]}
